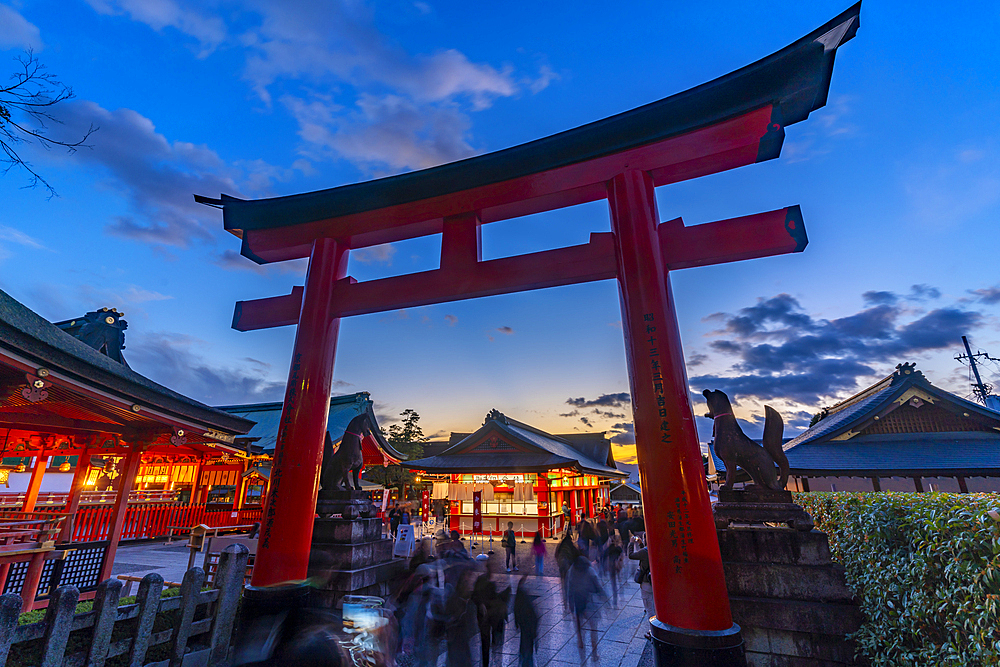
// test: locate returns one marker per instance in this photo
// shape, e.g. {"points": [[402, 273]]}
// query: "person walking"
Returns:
{"points": [[585, 592], [538, 551], [526, 621], [394, 519], [567, 518], [613, 565], [566, 555], [509, 543], [637, 551]]}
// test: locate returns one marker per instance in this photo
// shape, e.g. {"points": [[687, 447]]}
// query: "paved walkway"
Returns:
{"points": [[621, 628]]}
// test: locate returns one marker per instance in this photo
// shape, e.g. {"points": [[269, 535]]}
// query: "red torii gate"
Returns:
{"points": [[736, 120]]}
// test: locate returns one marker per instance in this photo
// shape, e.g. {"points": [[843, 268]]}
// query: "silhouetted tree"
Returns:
{"points": [[25, 111], [408, 439]]}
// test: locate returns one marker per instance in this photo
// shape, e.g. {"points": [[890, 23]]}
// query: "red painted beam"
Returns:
{"points": [[748, 237], [726, 145], [551, 268], [759, 235]]}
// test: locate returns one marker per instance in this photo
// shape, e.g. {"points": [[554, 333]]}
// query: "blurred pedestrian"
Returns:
{"points": [[491, 613], [585, 595], [538, 551], [526, 621], [613, 565], [566, 555], [393, 520], [637, 551]]}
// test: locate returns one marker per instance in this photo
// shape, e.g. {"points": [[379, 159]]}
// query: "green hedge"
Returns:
{"points": [[926, 570]]}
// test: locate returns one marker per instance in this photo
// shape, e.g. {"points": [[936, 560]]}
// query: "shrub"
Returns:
{"points": [[926, 570]]}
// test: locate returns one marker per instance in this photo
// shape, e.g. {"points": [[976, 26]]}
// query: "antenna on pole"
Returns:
{"points": [[980, 389]]}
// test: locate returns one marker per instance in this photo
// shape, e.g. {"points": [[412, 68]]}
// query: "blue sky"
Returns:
{"points": [[898, 179]]}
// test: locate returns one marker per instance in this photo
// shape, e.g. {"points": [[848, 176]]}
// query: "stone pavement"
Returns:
{"points": [[621, 628]]}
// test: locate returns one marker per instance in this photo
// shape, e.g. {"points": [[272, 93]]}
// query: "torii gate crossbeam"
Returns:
{"points": [[733, 121]]}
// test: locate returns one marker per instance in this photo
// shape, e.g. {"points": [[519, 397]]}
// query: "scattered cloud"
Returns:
{"points": [[156, 177], [784, 352], [546, 75], [623, 433], [178, 361], [234, 261], [10, 235], [507, 331], [696, 359], [210, 31], [378, 254], [818, 139], [16, 32], [988, 295], [451, 320], [618, 400]]}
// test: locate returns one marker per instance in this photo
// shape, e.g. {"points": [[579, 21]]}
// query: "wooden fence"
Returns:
{"points": [[65, 638], [146, 521]]}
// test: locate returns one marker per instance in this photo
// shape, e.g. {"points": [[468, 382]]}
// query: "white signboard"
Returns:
{"points": [[498, 478], [404, 541]]}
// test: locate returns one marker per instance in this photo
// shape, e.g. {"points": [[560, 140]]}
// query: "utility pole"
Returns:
{"points": [[979, 389]]}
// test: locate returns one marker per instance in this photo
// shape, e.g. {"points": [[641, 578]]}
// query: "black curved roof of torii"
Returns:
{"points": [[794, 81]]}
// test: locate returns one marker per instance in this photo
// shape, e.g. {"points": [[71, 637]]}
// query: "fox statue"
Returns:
{"points": [[767, 465]]}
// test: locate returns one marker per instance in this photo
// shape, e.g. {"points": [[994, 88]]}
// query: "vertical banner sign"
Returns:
{"points": [[425, 506], [477, 511], [385, 499]]}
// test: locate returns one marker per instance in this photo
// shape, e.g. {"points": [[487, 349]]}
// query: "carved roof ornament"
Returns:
{"points": [[37, 386], [903, 370], [496, 416], [103, 330]]}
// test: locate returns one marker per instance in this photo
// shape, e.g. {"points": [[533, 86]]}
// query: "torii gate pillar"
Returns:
{"points": [[693, 624]]}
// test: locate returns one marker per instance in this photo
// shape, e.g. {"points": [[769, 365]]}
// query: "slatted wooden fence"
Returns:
{"points": [[191, 642], [147, 521]]}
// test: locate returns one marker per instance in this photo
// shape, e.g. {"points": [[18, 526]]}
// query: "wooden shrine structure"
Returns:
{"points": [[63, 397], [736, 120]]}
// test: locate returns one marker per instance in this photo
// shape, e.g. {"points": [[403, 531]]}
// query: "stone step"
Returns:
{"points": [[774, 545], [817, 583], [831, 618], [346, 531], [350, 556]]}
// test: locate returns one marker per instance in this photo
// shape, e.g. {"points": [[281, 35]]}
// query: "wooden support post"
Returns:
{"points": [[75, 493], [121, 507], [962, 486], [31, 495], [875, 483], [918, 484], [31, 580]]}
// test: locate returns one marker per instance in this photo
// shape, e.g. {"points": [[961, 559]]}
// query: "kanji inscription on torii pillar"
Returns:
{"points": [[736, 120]]}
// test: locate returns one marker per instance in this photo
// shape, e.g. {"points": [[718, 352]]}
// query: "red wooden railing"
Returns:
{"points": [[53, 499], [147, 521]]}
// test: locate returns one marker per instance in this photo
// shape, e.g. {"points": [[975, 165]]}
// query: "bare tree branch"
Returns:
{"points": [[30, 95]]}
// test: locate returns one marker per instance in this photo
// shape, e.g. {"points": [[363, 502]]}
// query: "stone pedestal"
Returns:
{"points": [[349, 554], [758, 505], [789, 598]]}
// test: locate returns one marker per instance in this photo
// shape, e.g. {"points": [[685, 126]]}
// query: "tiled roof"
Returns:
{"points": [[841, 420], [559, 451], [25, 332], [342, 410], [903, 453]]}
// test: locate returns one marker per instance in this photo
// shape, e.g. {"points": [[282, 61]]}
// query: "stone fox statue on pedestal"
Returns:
{"points": [[767, 465], [334, 475]]}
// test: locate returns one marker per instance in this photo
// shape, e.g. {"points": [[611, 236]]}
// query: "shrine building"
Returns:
{"points": [[900, 434], [264, 435], [525, 475], [131, 456]]}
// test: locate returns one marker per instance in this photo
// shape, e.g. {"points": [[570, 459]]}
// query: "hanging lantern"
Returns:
{"points": [[110, 470], [20, 467], [64, 466]]}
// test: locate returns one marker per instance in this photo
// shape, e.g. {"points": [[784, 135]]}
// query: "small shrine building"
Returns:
{"points": [[900, 434], [264, 435], [525, 475]]}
